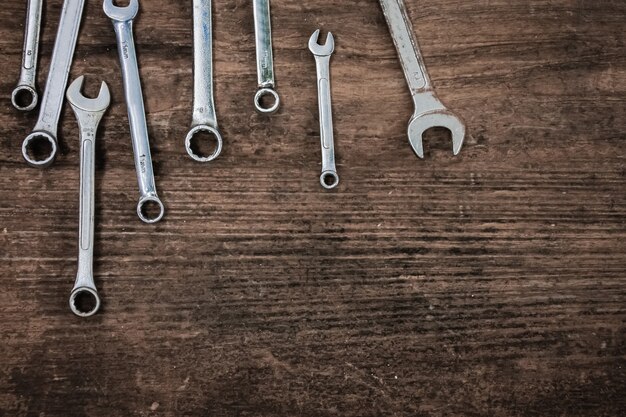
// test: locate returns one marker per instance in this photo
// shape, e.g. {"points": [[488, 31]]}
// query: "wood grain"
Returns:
{"points": [[491, 284]]}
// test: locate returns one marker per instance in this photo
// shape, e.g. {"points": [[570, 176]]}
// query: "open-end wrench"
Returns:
{"points": [[84, 299], [52, 100], [329, 178], [122, 18], [264, 58], [429, 111], [204, 116], [24, 97]]}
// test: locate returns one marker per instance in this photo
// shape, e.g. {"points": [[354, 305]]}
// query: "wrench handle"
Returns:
{"points": [[406, 44], [204, 106], [329, 168], [263, 36], [31, 43], [84, 277]]}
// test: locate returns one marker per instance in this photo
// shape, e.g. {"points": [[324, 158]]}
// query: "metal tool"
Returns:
{"points": [[204, 117], [84, 299], [122, 18], [264, 58], [429, 111], [25, 97], [329, 178], [52, 101]]}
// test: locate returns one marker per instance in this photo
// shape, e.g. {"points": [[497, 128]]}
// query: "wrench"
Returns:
{"points": [[122, 18], [46, 127], [204, 118], [24, 97], [84, 299], [264, 58], [429, 111], [329, 178]]}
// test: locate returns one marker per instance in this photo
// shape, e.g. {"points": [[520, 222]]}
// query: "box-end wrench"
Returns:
{"points": [[52, 100], [329, 178], [122, 18], [84, 299], [429, 111], [204, 117], [264, 59], [24, 97]]}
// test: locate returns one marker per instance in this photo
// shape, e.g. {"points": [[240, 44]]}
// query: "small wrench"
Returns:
{"points": [[46, 128], [24, 97], [204, 117], [329, 178], [264, 58], [122, 18], [429, 111], [84, 299]]}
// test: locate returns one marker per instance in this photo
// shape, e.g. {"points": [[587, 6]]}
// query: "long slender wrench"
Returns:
{"points": [[329, 178], [84, 299], [429, 111], [122, 18], [204, 117], [52, 101], [24, 97], [264, 58]]}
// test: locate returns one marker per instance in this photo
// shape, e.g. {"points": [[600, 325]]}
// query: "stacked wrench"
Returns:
{"points": [[24, 97], [84, 299], [264, 58], [204, 117], [429, 111], [46, 127], [329, 178], [122, 18]]}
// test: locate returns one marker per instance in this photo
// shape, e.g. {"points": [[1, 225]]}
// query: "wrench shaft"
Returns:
{"points": [[204, 105], [263, 36], [31, 43]]}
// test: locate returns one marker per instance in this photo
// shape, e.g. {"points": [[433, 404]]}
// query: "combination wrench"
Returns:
{"points": [[329, 178], [264, 58], [24, 97], [429, 110], [84, 299], [122, 18], [204, 117], [52, 101]]}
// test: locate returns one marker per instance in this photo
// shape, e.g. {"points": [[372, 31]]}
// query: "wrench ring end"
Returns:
{"points": [[27, 147], [204, 128], [263, 92], [84, 292], [21, 92], [142, 204], [329, 179]]}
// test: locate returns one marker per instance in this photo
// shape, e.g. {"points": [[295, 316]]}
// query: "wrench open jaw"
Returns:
{"points": [[91, 105], [322, 50], [121, 14]]}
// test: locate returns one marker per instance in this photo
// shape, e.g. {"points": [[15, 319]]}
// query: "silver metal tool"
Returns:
{"points": [[84, 299], [204, 116], [52, 100], [329, 178], [264, 58], [122, 18], [25, 97], [429, 111]]}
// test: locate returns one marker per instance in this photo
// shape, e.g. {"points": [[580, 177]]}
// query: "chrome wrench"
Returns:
{"points": [[25, 97], [122, 18], [264, 58], [84, 299], [204, 116], [46, 128], [329, 178], [429, 111]]}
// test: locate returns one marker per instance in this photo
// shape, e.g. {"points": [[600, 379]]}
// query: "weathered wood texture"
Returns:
{"points": [[492, 284]]}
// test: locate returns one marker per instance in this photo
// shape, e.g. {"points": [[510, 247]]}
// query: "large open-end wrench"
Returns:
{"points": [[329, 178], [122, 18], [52, 100], [264, 58], [84, 299], [429, 111], [24, 97], [204, 116]]}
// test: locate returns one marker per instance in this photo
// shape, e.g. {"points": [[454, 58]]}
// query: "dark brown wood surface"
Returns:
{"points": [[490, 284]]}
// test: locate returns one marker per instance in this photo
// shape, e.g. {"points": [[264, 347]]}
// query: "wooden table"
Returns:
{"points": [[489, 284]]}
